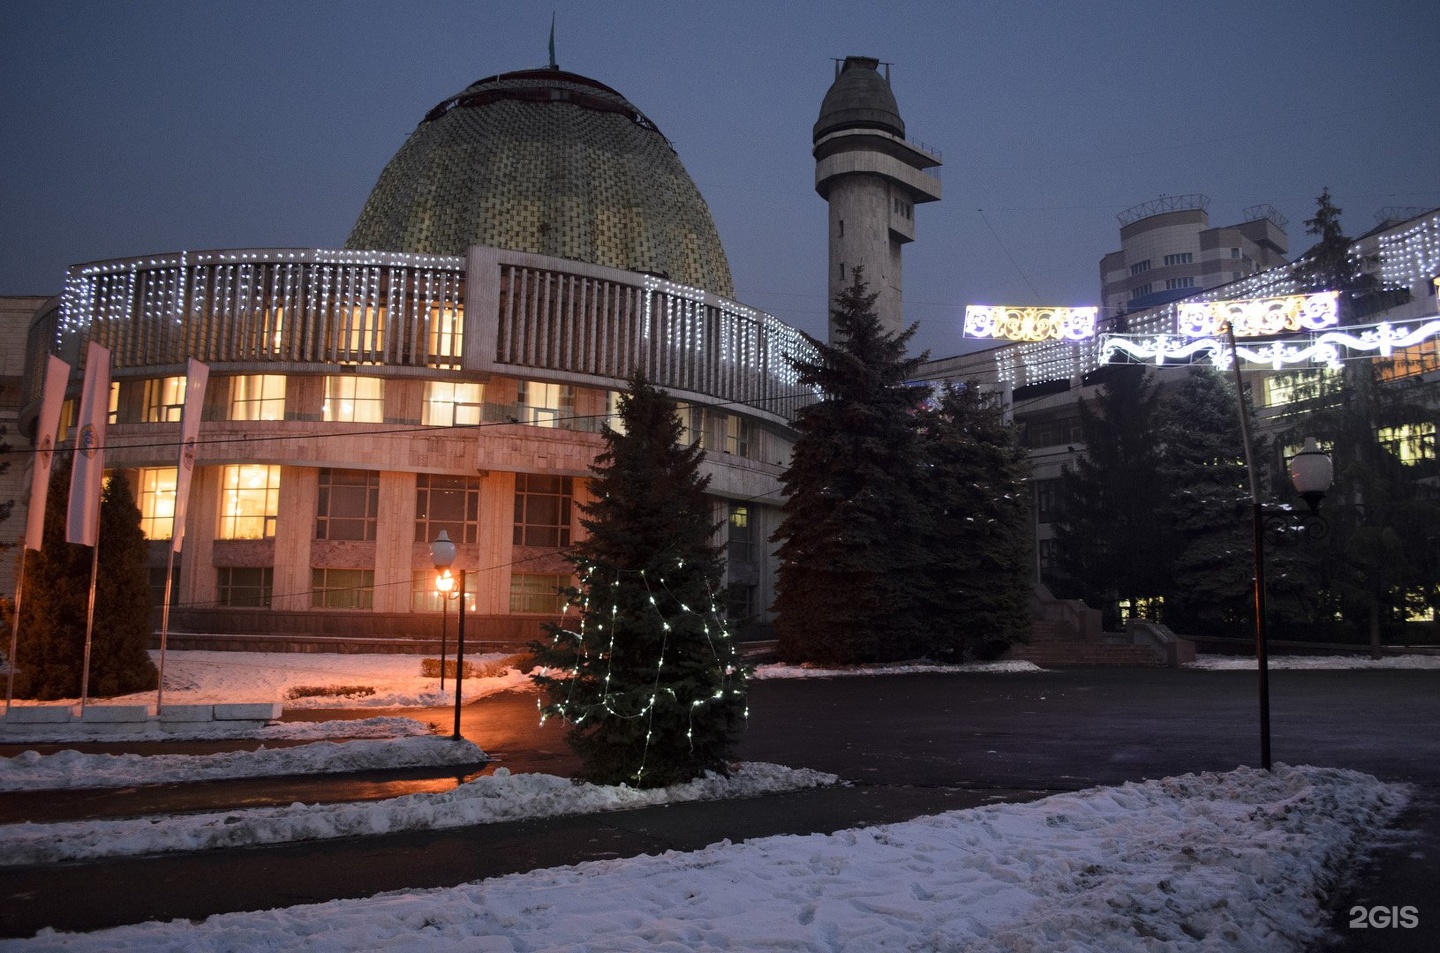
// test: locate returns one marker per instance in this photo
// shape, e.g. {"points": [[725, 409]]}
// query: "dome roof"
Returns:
{"points": [[860, 98], [548, 162]]}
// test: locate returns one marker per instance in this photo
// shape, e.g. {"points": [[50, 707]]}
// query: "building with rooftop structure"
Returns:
{"points": [[533, 243]]}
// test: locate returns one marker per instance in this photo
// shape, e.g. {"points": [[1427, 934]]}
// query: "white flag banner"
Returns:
{"points": [[197, 375], [57, 374], [83, 524]]}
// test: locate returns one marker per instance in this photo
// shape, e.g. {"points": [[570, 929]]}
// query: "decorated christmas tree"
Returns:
{"points": [[643, 667]]}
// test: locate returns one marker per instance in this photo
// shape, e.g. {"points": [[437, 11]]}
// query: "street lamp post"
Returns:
{"points": [[1310, 471], [444, 583], [442, 553]]}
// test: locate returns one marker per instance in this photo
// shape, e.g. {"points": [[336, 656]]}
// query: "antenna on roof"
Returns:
{"points": [[553, 64]]}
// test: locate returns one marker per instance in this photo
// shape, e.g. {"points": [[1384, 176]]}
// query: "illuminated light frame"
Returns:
{"points": [[1259, 317], [1328, 348], [1029, 324]]}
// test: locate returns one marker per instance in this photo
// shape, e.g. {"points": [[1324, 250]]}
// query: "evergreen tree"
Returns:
{"points": [[1111, 528], [649, 679], [1207, 502], [1384, 516], [979, 540], [850, 578], [56, 603]]}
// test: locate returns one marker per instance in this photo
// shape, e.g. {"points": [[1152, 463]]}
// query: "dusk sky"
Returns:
{"points": [[142, 127]]}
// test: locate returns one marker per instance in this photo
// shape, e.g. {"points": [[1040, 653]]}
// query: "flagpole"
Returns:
{"points": [[90, 621], [197, 376], [57, 376], [165, 628], [14, 634]]}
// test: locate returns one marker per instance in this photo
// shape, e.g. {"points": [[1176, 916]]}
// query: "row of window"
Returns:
{"points": [[347, 505], [253, 587], [359, 399]]}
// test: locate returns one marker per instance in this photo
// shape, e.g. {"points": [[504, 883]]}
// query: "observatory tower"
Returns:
{"points": [[873, 178]]}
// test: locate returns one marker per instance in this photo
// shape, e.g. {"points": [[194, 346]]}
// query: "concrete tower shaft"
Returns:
{"points": [[872, 177]]}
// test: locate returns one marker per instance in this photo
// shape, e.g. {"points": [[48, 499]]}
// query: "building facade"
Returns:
{"points": [[534, 244], [1168, 251], [1041, 383]]}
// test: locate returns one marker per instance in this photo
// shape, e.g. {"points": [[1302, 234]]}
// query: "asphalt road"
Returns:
{"points": [[911, 745]]}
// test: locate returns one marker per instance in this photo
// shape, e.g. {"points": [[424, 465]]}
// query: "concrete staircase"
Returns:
{"points": [[1066, 632]]}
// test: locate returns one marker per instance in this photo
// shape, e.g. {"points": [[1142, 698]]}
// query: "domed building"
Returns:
{"points": [[534, 242]]}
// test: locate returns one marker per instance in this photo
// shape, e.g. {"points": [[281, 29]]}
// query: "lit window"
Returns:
{"points": [[740, 546], [547, 405], [1296, 386], [347, 504], [447, 327], [612, 412], [164, 399], [1410, 443], [542, 510], [342, 588], [156, 500], [354, 400], [250, 501], [692, 423], [244, 587], [537, 592], [112, 413], [449, 503], [257, 397], [364, 330], [739, 435], [452, 404]]}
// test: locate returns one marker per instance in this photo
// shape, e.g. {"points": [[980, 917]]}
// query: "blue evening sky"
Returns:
{"points": [[149, 126]]}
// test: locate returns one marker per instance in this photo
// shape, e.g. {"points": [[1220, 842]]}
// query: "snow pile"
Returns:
{"points": [[781, 670], [30, 771], [1238, 861], [1227, 663], [500, 797], [381, 727], [207, 678]]}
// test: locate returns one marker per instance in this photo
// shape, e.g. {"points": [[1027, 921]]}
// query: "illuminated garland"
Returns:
{"points": [[1030, 324], [1259, 317], [732, 677], [1328, 348]]}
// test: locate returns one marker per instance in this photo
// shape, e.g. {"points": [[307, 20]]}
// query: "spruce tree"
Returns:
{"points": [[647, 675], [1111, 531], [1383, 513], [52, 630], [1207, 502], [850, 580], [981, 568]]}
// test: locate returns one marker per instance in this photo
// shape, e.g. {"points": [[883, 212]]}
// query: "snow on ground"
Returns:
{"points": [[1240, 861], [30, 771], [1229, 663], [485, 800], [383, 681], [780, 670]]}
